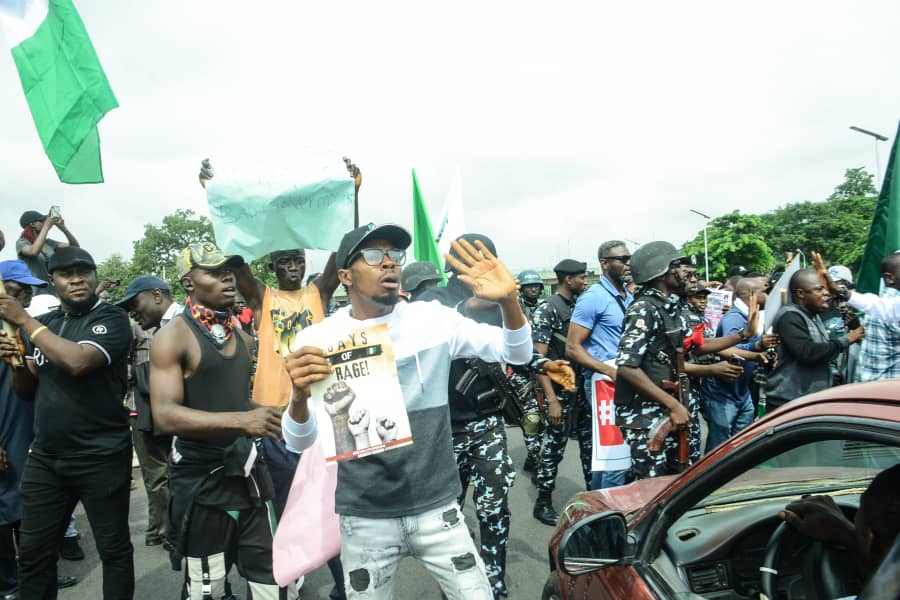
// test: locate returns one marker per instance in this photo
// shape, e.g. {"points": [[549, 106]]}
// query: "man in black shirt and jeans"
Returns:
{"points": [[82, 446]]}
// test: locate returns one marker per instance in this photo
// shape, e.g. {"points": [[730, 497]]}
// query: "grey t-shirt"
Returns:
{"points": [[38, 264]]}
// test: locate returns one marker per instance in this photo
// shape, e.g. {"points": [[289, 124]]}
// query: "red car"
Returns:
{"points": [[713, 531]]}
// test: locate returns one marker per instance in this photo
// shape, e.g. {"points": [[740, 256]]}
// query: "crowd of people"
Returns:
{"points": [[217, 408]]}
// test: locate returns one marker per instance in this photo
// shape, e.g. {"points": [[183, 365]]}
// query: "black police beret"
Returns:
{"points": [[569, 266]]}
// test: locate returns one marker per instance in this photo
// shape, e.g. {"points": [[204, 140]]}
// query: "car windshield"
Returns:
{"points": [[820, 467]]}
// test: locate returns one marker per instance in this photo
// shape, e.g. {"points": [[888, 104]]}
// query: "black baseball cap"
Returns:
{"points": [[737, 271], [569, 266], [30, 216], [142, 283], [70, 256], [472, 238], [417, 273], [352, 240], [700, 291]]}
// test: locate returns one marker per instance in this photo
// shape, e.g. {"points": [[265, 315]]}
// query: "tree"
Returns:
{"points": [[116, 267], [837, 227], [734, 239], [156, 252]]}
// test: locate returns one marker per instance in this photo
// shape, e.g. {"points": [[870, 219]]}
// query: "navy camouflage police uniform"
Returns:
{"points": [[693, 319], [654, 327], [550, 325], [525, 384], [479, 441]]}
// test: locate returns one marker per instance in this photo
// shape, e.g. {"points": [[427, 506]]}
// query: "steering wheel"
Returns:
{"points": [[827, 571]]}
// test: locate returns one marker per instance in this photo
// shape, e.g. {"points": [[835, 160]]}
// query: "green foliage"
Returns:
{"points": [[155, 253], [734, 239], [837, 227], [116, 267]]}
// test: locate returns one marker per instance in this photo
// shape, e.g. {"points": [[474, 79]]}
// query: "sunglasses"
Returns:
{"points": [[622, 259], [375, 256]]}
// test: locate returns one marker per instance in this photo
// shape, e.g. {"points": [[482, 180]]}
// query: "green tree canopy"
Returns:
{"points": [[837, 227], [734, 239]]}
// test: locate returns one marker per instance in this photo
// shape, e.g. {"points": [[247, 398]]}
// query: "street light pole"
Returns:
{"points": [[877, 138], [705, 241]]}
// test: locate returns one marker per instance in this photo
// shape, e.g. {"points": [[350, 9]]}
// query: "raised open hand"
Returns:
{"points": [[479, 269], [752, 316], [819, 265]]}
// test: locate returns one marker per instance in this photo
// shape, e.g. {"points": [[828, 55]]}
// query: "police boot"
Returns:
{"points": [[543, 509]]}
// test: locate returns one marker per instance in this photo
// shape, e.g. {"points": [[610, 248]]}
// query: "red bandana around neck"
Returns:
{"points": [[216, 324]]}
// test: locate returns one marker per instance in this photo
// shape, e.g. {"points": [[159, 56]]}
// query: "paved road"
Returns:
{"points": [[527, 561]]}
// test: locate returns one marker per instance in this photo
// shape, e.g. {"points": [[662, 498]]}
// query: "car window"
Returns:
{"points": [[813, 468]]}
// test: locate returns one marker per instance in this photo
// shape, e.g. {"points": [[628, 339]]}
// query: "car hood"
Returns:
{"points": [[624, 499], [628, 499]]}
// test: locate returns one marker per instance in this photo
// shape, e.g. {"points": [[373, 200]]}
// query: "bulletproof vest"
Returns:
{"points": [[557, 348], [660, 359]]}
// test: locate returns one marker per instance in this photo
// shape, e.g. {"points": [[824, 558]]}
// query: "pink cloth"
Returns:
{"points": [[309, 533]]}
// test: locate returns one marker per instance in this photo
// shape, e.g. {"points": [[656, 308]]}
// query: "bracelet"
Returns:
{"points": [[36, 332], [744, 337]]}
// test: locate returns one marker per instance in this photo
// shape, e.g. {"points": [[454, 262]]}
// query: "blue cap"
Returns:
{"points": [[142, 283], [16, 270]]}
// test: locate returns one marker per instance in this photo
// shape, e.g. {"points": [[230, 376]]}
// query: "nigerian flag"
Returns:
{"points": [[424, 246], [63, 81], [884, 234]]}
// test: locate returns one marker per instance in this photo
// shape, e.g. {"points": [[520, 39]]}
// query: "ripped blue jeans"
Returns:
{"points": [[371, 550]]}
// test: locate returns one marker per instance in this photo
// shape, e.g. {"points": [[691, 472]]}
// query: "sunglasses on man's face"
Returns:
{"points": [[622, 259], [375, 256]]}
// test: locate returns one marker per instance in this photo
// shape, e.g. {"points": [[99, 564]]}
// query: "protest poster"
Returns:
{"points": [[717, 304], [360, 407], [258, 209]]}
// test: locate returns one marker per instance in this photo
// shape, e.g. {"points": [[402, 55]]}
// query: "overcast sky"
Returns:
{"points": [[571, 123]]}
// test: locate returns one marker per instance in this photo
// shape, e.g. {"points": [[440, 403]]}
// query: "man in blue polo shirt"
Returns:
{"points": [[593, 340]]}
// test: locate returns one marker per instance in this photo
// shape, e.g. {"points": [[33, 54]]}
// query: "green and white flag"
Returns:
{"points": [[424, 246], [64, 84], [884, 233]]}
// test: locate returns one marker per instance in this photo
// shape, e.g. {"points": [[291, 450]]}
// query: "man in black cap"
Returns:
{"points": [[479, 435], [550, 326], [150, 304], [419, 277], [220, 510], [82, 449], [416, 485], [35, 248]]}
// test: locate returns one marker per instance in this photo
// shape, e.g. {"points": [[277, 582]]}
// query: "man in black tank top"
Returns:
{"points": [[220, 490]]}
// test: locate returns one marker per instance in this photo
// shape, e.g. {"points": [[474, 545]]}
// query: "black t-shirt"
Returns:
{"points": [[83, 415]]}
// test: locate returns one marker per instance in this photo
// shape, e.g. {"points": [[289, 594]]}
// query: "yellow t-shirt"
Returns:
{"points": [[284, 313]]}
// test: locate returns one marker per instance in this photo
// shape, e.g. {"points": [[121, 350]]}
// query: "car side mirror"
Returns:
{"points": [[594, 543]]}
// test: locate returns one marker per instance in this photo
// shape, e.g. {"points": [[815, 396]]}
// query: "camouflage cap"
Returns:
{"points": [[204, 255]]}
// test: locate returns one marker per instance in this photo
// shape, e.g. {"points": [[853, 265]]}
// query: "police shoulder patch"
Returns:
{"points": [[99, 329]]}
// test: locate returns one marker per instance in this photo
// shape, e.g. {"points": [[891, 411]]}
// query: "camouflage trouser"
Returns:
{"points": [[694, 428], [645, 463], [557, 438], [482, 458], [529, 404]]}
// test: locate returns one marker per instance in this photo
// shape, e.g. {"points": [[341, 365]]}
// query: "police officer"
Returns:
{"points": [[653, 334], [531, 286], [479, 436], [550, 326], [419, 277]]}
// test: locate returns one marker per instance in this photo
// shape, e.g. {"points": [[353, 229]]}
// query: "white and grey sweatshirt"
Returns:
{"points": [[422, 476]]}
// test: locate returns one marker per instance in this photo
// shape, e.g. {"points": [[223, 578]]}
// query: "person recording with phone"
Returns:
{"points": [[35, 247]]}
